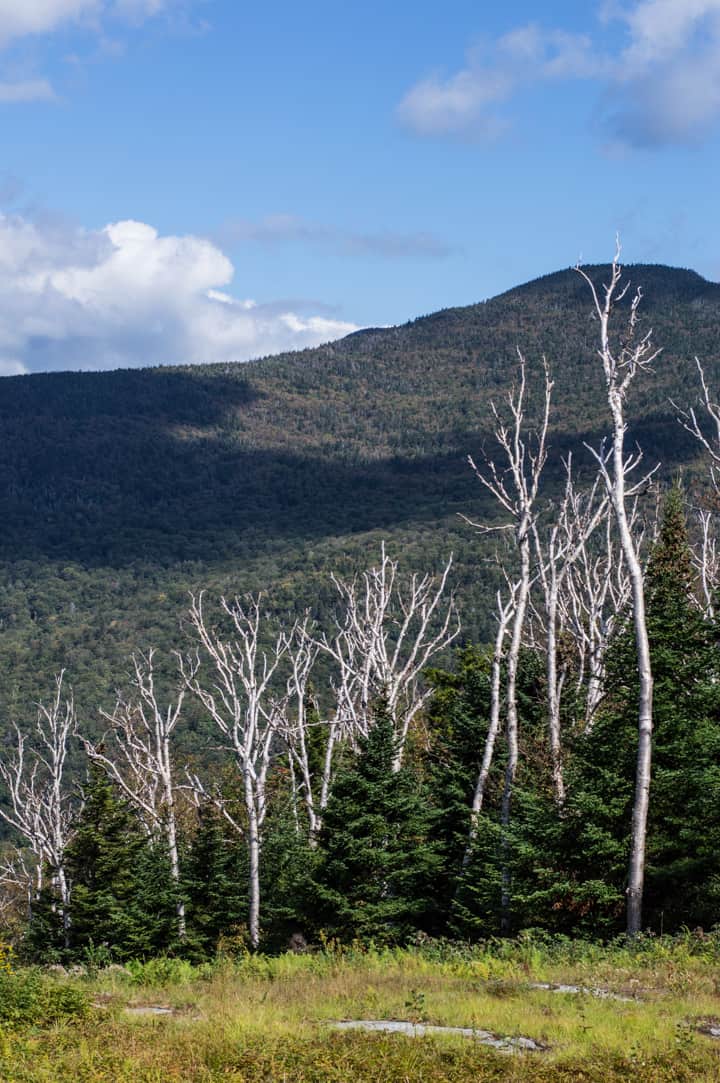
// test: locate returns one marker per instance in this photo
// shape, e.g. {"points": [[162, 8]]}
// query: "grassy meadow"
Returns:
{"points": [[258, 1018]]}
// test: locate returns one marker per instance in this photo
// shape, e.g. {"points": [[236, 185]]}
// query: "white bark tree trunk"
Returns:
{"points": [[517, 497], [513, 659], [620, 368], [239, 701], [505, 614]]}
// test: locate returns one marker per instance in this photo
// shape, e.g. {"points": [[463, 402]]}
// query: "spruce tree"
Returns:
{"points": [[683, 867], [122, 895], [683, 860], [376, 858], [288, 863], [215, 882]]}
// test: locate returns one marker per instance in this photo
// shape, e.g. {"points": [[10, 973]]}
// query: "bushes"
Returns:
{"points": [[30, 999]]}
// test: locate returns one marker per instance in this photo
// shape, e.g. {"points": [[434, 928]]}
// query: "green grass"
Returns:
{"points": [[268, 1019]]}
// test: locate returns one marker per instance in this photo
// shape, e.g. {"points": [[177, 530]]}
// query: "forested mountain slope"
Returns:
{"points": [[121, 491]]}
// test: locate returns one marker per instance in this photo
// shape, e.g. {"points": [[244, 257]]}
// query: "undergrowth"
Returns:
{"points": [[255, 1017]]}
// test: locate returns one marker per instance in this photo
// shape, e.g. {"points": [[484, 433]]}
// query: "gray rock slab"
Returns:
{"points": [[420, 1030], [579, 990], [149, 1009]]}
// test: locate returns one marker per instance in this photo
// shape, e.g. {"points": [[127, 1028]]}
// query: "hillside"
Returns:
{"points": [[120, 491]]}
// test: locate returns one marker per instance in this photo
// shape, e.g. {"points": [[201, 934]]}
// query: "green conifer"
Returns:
{"points": [[122, 898], [376, 859]]}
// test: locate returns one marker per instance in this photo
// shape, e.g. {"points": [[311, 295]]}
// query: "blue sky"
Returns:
{"points": [[188, 180]]}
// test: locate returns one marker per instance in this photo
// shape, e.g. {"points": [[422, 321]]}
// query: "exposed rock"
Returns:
{"points": [[420, 1030], [579, 990], [149, 1009], [709, 1026]]}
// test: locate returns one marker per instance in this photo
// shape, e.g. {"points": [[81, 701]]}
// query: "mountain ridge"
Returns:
{"points": [[122, 490]]}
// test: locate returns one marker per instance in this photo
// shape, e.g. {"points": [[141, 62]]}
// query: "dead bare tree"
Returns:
{"points": [[387, 635], [293, 722], [705, 555], [142, 765], [19, 880], [505, 604], [515, 487], [41, 809], [632, 355], [238, 699], [690, 422], [594, 599], [557, 549]]}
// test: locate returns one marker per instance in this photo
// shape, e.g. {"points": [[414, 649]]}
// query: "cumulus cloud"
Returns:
{"points": [[127, 296], [661, 86], [279, 229], [466, 104], [666, 84]]}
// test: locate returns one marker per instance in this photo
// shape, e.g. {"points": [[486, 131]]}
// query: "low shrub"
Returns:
{"points": [[28, 998]]}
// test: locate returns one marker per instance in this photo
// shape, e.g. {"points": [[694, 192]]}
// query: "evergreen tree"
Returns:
{"points": [[591, 843], [286, 872], [376, 859], [467, 896], [683, 875], [215, 882], [44, 937], [122, 894], [477, 892]]}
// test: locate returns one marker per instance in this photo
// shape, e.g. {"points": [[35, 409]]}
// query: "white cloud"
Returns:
{"points": [[126, 296], [12, 368], [666, 85], [465, 104], [24, 18], [20, 18], [660, 86], [659, 29]]}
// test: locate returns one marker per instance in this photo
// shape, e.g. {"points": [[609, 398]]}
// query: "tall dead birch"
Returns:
{"points": [[515, 486], [505, 604], [237, 696], [621, 363], [41, 808], [385, 638], [142, 767]]}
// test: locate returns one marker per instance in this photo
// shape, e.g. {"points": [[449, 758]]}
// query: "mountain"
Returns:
{"points": [[120, 491]]}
